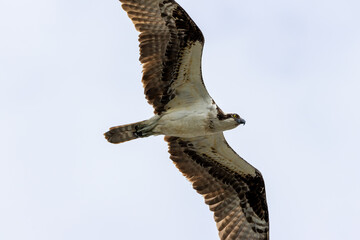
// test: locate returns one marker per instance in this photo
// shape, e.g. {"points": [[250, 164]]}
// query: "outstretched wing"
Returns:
{"points": [[170, 51], [233, 189]]}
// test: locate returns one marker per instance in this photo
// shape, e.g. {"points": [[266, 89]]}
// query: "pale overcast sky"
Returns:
{"points": [[69, 70]]}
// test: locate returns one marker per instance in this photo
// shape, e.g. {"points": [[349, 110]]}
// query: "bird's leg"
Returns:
{"points": [[139, 132], [145, 130]]}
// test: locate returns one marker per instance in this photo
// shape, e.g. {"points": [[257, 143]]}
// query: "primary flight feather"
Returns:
{"points": [[170, 51]]}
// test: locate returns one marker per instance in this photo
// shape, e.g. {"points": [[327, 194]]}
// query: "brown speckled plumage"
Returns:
{"points": [[165, 30], [237, 198], [170, 51]]}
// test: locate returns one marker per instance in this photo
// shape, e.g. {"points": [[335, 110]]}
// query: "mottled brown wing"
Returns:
{"points": [[170, 50], [233, 189]]}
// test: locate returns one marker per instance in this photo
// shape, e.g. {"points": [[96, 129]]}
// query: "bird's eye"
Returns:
{"points": [[234, 116]]}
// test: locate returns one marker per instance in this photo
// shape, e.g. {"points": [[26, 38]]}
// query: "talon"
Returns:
{"points": [[138, 134]]}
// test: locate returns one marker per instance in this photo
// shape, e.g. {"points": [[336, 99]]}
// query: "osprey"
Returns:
{"points": [[170, 51]]}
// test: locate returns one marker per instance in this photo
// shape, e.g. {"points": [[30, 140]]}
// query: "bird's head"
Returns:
{"points": [[229, 121], [235, 117]]}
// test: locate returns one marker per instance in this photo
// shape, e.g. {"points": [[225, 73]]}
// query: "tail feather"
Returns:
{"points": [[123, 133]]}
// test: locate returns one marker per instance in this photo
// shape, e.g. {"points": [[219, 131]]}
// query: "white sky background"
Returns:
{"points": [[69, 70]]}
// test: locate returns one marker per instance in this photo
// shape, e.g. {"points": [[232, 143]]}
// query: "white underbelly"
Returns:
{"points": [[183, 124]]}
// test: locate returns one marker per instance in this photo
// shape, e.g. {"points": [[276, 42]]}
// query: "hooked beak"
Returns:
{"points": [[240, 121]]}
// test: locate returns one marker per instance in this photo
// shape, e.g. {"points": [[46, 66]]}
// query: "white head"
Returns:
{"points": [[229, 121]]}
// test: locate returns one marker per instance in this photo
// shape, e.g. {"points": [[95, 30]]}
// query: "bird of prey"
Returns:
{"points": [[171, 47]]}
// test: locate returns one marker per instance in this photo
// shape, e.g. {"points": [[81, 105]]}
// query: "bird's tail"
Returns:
{"points": [[126, 132]]}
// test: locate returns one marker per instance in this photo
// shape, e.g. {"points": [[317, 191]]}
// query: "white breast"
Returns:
{"points": [[187, 122]]}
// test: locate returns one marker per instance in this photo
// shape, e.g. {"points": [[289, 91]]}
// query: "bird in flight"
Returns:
{"points": [[171, 47]]}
